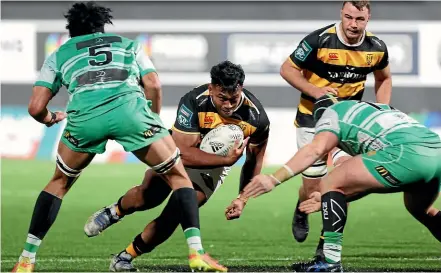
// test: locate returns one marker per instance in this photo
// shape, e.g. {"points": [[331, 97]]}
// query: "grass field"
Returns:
{"points": [[380, 235]]}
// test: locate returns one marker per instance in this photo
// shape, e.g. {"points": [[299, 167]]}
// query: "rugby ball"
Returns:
{"points": [[221, 140]]}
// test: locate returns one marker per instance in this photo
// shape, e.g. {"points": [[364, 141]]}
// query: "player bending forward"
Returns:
{"points": [[103, 73], [223, 101], [391, 153]]}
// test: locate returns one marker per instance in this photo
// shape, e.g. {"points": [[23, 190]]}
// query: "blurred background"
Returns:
{"points": [[184, 39]]}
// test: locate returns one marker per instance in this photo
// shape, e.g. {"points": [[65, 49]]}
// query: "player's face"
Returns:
{"points": [[225, 102], [354, 22]]}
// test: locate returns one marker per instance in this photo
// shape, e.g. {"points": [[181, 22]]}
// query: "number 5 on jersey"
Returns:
{"points": [[95, 51]]}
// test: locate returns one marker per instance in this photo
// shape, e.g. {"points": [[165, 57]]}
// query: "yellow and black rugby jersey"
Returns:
{"points": [[197, 114], [326, 60]]}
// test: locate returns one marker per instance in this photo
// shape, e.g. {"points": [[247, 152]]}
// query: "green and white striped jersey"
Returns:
{"points": [[363, 126], [100, 71]]}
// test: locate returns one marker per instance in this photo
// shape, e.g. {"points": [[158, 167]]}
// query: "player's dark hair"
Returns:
{"points": [[359, 4], [228, 76], [87, 18], [322, 103]]}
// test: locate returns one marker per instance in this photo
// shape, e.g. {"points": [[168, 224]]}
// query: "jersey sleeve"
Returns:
{"points": [[145, 65], [187, 120], [329, 122], [262, 132], [305, 54], [384, 62], [49, 76]]}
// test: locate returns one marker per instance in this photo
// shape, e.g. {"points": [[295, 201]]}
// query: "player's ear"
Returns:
{"points": [[210, 89]]}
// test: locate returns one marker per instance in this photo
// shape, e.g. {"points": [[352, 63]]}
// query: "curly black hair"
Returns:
{"points": [[228, 76], [87, 18]]}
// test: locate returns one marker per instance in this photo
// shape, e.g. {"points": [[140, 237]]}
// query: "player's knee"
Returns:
{"points": [[63, 179], [167, 165], [316, 171]]}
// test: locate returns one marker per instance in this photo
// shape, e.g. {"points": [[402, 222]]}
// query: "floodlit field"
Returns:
{"points": [[380, 235]]}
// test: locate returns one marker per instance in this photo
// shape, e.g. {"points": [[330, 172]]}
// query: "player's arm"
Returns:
{"points": [[153, 90], [149, 79], [253, 163], [194, 157], [327, 138], [255, 151], [322, 144], [383, 80], [45, 88], [303, 57], [251, 168]]}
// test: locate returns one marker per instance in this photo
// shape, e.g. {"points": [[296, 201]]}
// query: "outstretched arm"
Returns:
{"points": [[322, 143]]}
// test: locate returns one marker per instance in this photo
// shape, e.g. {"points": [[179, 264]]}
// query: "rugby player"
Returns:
{"points": [[335, 59], [103, 74], [223, 101], [391, 153]]}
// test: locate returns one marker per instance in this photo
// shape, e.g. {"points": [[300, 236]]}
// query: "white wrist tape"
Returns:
{"points": [[291, 173]]}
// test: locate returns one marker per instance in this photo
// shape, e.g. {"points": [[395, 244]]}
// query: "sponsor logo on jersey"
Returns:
{"points": [[387, 175], [184, 116], [67, 135], [208, 120], [333, 56], [302, 51], [369, 58], [152, 131]]}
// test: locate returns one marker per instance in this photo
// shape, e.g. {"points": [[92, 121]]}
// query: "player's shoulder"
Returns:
{"points": [[319, 35], [197, 95], [252, 101], [254, 107], [374, 42]]}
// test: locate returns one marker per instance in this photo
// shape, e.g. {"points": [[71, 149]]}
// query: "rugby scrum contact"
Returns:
{"points": [[221, 140]]}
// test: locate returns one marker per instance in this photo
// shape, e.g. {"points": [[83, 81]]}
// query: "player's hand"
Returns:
{"points": [[54, 117], [234, 210], [236, 152], [313, 204], [325, 90], [259, 185]]}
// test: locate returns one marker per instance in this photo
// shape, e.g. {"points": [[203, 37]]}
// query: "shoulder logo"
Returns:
{"points": [[184, 116], [302, 51]]}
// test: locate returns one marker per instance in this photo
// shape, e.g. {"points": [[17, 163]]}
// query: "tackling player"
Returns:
{"points": [[223, 101], [334, 59], [391, 153], [103, 74]]}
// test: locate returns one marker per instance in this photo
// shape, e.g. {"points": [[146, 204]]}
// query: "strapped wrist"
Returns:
{"points": [[53, 118]]}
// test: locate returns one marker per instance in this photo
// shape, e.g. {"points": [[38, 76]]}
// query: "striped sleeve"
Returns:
{"points": [[49, 76]]}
